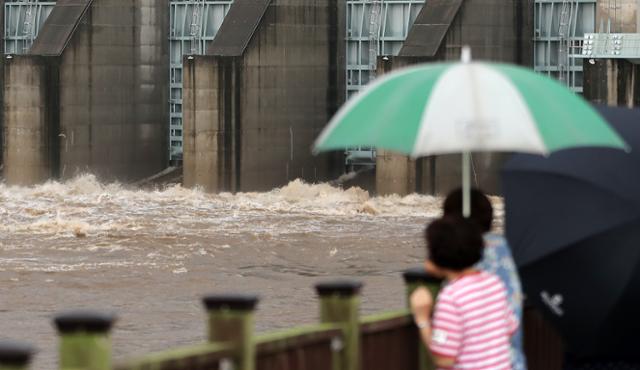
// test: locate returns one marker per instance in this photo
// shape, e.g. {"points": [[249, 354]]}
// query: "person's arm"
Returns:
{"points": [[421, 307]]}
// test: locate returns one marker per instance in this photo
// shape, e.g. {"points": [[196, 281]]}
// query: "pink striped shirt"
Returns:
{"points": [[472, 323]]}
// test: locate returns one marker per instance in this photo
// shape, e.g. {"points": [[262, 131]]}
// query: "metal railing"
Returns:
{"points": [[389, 341], [312, 348]]}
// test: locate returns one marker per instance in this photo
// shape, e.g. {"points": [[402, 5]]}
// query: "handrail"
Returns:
{"points": [[296, 337], [201, 353], [385, 321]]}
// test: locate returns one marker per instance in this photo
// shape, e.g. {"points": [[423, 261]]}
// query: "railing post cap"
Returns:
{"points": [[419, 275], [235, 302], [15, 353], [339, 287], [84, 320]]}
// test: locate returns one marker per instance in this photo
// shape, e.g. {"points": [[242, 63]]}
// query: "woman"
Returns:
{"points": [[497, 259]]}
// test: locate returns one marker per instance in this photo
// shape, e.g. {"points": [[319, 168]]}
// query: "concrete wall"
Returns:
{"points": [[496, 30], [1, 90], [272, 100], [395, 173], [113, 83], [621, 16], [108, 106], [30, 116], [208, 134], [287, 82], [612, 82]]}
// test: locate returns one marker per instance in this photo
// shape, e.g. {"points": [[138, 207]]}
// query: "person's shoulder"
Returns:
{"points": [[493, 281], [489, 277], [449, 291], [493, 240], [468, 284]]}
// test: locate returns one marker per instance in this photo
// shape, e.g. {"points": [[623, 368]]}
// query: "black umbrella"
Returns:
{"points": [[573, 223]]}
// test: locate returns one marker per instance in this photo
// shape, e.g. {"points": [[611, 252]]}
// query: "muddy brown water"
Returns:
{"points": [[150, 255]]}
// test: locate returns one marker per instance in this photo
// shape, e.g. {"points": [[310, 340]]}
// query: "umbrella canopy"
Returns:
{"points": [[573, 223], [464, 107]]}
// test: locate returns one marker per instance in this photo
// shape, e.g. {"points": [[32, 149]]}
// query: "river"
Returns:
{"points": [[150, 255]]}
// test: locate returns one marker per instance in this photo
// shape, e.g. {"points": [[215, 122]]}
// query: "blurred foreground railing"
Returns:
{"points": [[388, 341], [341, 341], [310, 348]]}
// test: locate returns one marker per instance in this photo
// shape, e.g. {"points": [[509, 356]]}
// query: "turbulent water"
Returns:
{"points": [[150, 255]]}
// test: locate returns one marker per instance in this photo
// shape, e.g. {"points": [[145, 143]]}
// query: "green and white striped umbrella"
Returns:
{"points": [[465, 107]]}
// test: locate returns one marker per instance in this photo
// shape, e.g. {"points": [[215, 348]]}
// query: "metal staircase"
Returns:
{"points": [[197, 8], [374, 36], [29, 26], [566, 35]]}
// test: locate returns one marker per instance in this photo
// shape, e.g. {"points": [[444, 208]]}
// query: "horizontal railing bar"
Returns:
{"points": [[297, 337], [203, 352], [385, 321]]}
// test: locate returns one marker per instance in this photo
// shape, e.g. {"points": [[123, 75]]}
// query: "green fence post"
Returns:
{"points": [[340, 303], [414, 278], [14, 355], [84, 339], [231, 320]]}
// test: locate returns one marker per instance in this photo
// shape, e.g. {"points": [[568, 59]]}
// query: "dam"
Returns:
{"points": [[234, 92]]}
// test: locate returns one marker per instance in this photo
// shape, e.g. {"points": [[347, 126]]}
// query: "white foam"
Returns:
{"points": [[88, 220], [84, 196]]}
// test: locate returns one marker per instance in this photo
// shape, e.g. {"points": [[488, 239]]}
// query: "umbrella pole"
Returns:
{"points": [[466, 184], [465, 57]]}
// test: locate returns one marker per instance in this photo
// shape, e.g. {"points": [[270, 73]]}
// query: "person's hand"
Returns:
{"points": [[421, 304]]}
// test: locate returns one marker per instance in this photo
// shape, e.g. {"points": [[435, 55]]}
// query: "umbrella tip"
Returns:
{"points": [[465, 57]]}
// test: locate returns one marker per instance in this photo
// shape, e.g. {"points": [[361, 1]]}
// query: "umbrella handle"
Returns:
{"points": [[466, 184]]}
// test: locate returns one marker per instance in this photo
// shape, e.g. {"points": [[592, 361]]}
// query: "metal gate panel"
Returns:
{"points": [[374, 28], [386, 30], [23, 19], [559, 28], [194, 24]]}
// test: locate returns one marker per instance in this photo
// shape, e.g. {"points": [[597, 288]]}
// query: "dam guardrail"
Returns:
{"points": [[343, 340]]}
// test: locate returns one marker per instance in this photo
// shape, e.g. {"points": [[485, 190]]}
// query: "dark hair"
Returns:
{"points": [[454, 243], [481, 209]]}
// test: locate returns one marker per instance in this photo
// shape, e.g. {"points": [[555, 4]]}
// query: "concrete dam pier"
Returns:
{"points": [[90, 94], [255, 103], [236, 91]]}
